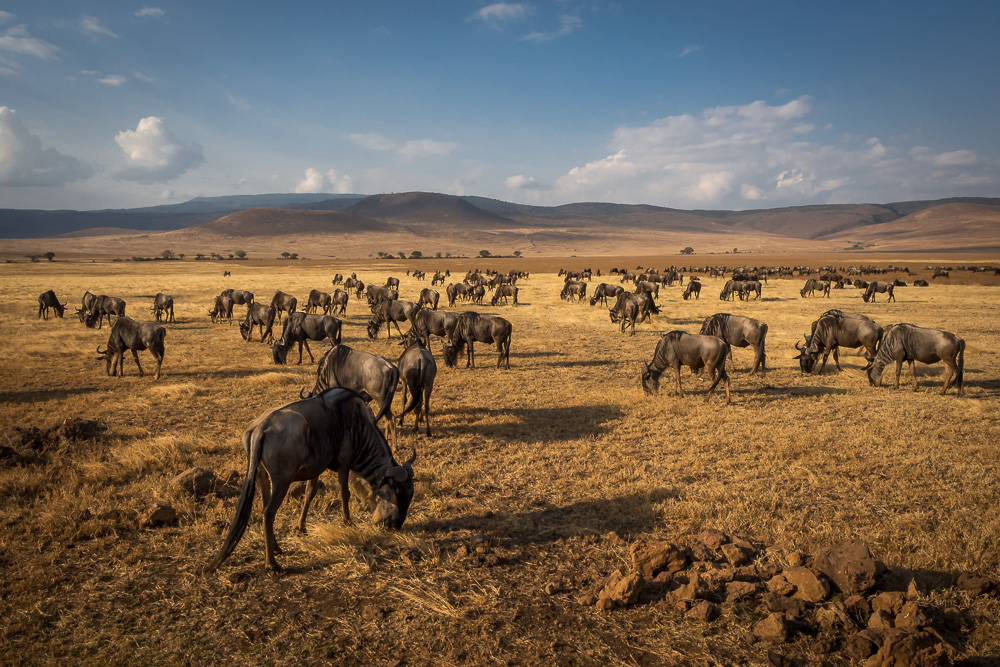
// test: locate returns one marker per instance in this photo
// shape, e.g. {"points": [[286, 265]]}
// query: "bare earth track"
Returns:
{"points": [[536, 483]]}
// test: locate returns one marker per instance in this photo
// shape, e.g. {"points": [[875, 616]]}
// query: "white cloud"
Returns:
{"points": [[113, 80], [332, 181], [522, 182], [499, 14], [143, 77], [689, 50], [419, 148], [372, 141], [93, 27], [17, 40], [154, 154], [23, 161], [238, 102], [567, 25], [731, 156], [5, 17], [154, 12]]}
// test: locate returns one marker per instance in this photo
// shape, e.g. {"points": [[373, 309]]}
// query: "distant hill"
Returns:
{"points": [[278, 222], [430, 207]]}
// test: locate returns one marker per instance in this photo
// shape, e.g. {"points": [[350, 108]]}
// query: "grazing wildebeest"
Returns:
{"points": [[752, 287], [921, 283], [427, 323], [739, 331], [573, 288], [884, 288], [298, 442], [417, 370], [127, 334], [87, 303], [909, 343], [240, 297], [262, 316], [373, 377], [627, 314], [318, 300], [733, 288], [939, 273], [359, 289], [226, 274], [392, 283], [337, 279], [693, 287], [477, 292], [282, 302], [104, 306], [679, 348], [429, 297], [391, 313], [351, 283], [812, 285], [437, 279], [454, 291], [833, 330], [376, 295], [223, 309], [896, 282], [163, 307], [472, 327], [301, 328], [339, 302], [644, 301], [604, 291], [504, 291], [648, 286], [48, 300]]}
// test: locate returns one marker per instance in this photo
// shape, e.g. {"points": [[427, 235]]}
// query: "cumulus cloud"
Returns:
{"points": [[522, 182], [17, 40], [332, 181], [23, 161], [93, 27], [155, 154], [149, 12], [567, 25], [408, 150], [113, 80], [372, 141], [746, 155], [238, 102], [499, 14], [688, 50]]}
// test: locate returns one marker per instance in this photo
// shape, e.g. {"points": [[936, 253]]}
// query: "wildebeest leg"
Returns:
{"points": [[135, 355], [826, 355], [159, 363], [397, 328], [308, 351], [312, 486], [899, 368], [344, 475], [470, 357], [913, 371], [836, 357], [403, 413], [279, 487], [677, 375], [949, 376], [427, 407]]}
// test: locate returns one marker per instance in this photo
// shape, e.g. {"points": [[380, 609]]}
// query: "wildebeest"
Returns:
{"points": [[339, 302], [679, 348], [87, 303], [504, 291], [223, 309], [603, 291], [392, 283], [835, 329], [456, 290], [812, 285], [298, 442], [127, 334], [163, 307], [373, 377], [351, 283], [437, 279], [417, 370], [48, 300], [939, 273], [693, 288], [733, 288], [643, 299], [909, 343], [471, 328], [752, 287], [359, 289], [477, 292], [427, 323], [627, 314], [263, 317], [648, 286], [337, 279], [104, 306], [921, 283], [226, 274], [301, 328], [376, 294], [240, 297], [739, 331], [429, 297], [282, 302], [896, 282], [884, 288], [391, 313], [318, 300]]}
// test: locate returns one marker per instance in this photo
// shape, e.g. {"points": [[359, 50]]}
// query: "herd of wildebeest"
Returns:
{"points": [[331, 427]]}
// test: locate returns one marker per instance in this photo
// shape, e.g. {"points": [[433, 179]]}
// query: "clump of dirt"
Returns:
{"points": [[31, 445]]}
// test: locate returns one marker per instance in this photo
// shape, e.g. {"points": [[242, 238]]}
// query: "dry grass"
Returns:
{"points": [[529, 471]]}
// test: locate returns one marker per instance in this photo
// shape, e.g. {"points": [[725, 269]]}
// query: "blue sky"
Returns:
{"points": [[694, 104]]}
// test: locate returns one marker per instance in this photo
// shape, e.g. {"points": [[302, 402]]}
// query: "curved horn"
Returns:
{"points": [[798, 346], [102, 352], [398, 473], [303, 394], [408, 464]]}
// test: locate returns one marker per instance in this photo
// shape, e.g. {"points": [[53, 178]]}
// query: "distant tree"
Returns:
{"points": [[33, 258], [231, 255], [181, 255], [447, 254], [735, 251], [49, 255], [370, 255], [416, 254], [167, 254], [294, 255], [438, 254], [687, 251], [402, 255], [241, 254], [517, 253], [484, 253], [199, 256], [286, 255]]}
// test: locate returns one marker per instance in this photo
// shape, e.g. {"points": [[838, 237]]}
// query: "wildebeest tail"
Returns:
{"points": [[763, 339], [387, 405], [960, 365], [245, 503]]}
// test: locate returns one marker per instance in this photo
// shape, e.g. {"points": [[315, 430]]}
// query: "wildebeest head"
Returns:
{"points": [[279, 351], [245, 328], [451, 351], [650, 379], [106, 355], [92, 318], [393, 497], [60, 308], [374, 324], [807, 355]]}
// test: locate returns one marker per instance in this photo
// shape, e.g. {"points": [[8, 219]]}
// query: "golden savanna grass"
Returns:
{"points": [[528, 473]]}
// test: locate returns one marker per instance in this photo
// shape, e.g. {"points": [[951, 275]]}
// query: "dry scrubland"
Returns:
{"points": [[536, 466]]}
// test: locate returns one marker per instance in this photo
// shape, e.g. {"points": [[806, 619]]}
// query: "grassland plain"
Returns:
{"points": [[537, 465]]}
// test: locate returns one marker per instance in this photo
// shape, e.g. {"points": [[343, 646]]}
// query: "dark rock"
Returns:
{"points": [[587, 600], [704, 611], [975, 584], [773, 628], [655, 558], [196, 481], [791, 607], [910, 616], [160, 515], [859, 648], [623, 590], [779, 584], [850, 566], [913, 649], [738, 591], [712, 538], [890, 602], [808, 585], [880, 620], [735, 555]]}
